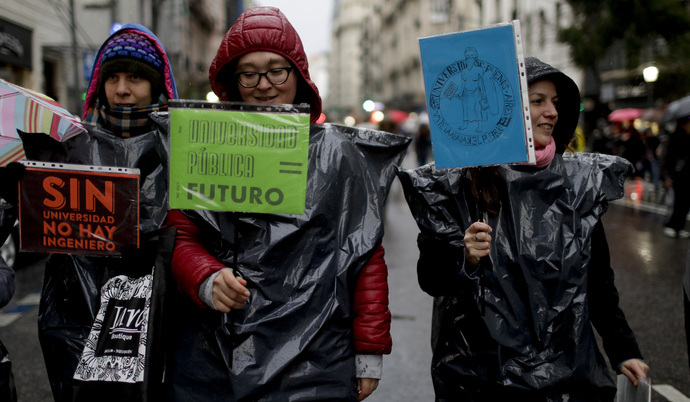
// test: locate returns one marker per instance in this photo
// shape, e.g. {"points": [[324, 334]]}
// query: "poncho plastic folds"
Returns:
{"points": [[79, 290], [533, 291], [293, 340]]}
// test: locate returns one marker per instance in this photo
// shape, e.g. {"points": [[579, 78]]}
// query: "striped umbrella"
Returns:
{"points": [[31, 112]]}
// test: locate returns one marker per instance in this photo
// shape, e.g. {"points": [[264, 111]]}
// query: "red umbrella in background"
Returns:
{"points": [[31, 112], [627, 114], [397, 116]]}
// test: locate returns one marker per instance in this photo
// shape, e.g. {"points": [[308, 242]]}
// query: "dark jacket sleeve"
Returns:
{"points": [[606, 315], [8, 216], [6, 283], [372, 321], [438, 267], [191, 262]]}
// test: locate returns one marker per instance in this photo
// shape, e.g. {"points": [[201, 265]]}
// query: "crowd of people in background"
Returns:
{"points": [[640, 148], [658, 159]]}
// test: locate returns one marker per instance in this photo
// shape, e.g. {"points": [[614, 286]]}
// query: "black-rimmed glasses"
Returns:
{"points": [[276, 76]]}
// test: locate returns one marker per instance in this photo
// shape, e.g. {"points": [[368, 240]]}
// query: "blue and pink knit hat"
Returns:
{"points": [[132, 52]]}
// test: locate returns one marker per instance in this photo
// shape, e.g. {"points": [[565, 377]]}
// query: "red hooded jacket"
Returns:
{"points": [[262, 29], [267, 29]]}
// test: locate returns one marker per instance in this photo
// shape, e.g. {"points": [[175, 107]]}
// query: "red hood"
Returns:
{"points": [[263, 29]]}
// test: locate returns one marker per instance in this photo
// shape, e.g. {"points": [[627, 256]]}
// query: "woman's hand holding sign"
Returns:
{"points": [[229, 291], [477, 242]]}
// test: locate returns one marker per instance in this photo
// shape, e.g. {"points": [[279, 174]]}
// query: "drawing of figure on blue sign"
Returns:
{"points": [[473, 100], [477, 95]]}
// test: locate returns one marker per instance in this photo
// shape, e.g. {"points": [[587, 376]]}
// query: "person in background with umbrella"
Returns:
{"points": [[629, 145], [651, 159], [131, 79], [677, 173]]}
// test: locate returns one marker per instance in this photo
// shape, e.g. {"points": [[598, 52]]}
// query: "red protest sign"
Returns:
{"points": [[78, 209]]}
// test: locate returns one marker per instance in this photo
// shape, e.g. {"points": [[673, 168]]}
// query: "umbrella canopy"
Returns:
{"points": [[677, 109], [398, 116], [32, 112], [626, 114], [652, 115]]}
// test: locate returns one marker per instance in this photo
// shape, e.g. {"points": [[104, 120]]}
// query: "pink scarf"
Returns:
{"points": [[545, 154]]}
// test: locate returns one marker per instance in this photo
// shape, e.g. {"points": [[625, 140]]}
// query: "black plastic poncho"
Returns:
{"points": [[293, 340], [71, 294], [8, 390], [534, 304]]}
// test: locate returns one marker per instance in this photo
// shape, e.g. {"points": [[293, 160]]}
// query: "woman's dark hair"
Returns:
{"points": [[226, 77], [484, 190]]}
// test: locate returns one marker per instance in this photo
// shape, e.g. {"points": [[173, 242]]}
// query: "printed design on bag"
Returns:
{"points": [[472, 101], [116, 347]]}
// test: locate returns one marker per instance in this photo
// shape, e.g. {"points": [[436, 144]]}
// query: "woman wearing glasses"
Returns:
{"points": [[283, 328], [278, 87]]}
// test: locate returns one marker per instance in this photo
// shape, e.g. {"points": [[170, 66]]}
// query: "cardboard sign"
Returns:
{"points": [[223, 159], [477, 100], [78, 209]]}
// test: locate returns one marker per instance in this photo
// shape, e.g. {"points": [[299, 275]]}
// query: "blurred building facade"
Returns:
{"points": [[35, 43], [375, 50], [49, 45]]}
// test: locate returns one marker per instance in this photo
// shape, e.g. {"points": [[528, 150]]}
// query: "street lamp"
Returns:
{"points": [[368, 105], [650, 75]]}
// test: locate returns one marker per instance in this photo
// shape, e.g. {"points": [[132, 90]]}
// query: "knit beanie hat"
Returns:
{"points": [[133, 52]]}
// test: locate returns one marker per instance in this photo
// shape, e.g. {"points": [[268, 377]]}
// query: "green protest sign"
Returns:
{"points": [[241, 161]]}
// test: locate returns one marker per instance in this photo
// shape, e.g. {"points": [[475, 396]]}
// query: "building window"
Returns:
{"points": [[440, 9], [542, 29], [559, 15]]}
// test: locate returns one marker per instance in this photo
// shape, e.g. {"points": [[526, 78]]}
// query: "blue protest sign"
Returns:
{"points": [[477, 97]]}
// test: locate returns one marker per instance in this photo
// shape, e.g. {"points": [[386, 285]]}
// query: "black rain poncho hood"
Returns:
{"points": [[568, 99], [535, 303]]}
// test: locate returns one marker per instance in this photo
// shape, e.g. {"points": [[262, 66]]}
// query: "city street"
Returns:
{"points": [[649, 269]]}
